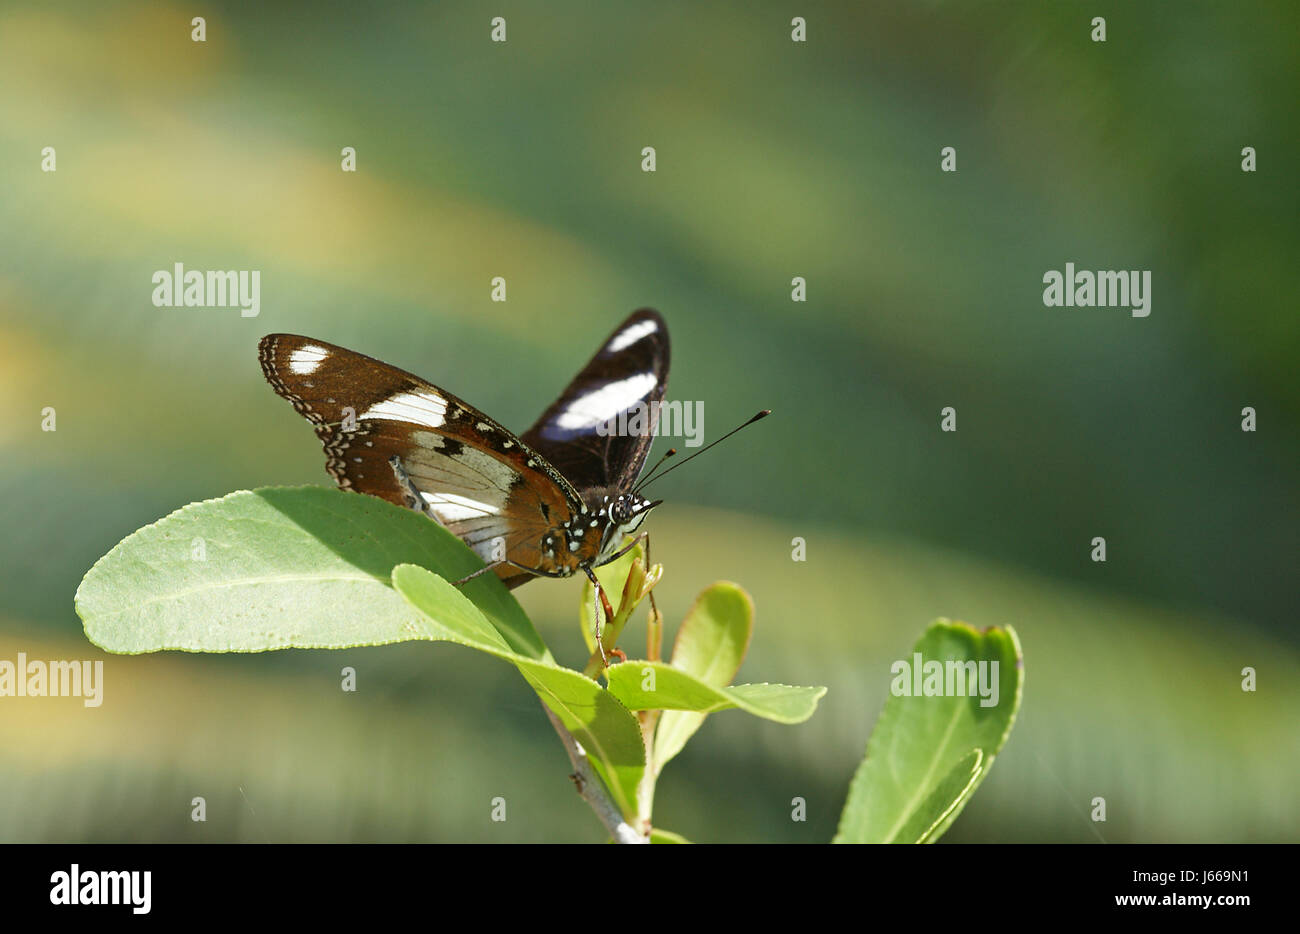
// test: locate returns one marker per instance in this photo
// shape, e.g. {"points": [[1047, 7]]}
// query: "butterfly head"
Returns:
{"points": [[623, 514], [594, 535]]}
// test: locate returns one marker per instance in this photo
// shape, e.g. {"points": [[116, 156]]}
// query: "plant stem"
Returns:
{"points": [[591, 789], [645, 790], [654, 634]]}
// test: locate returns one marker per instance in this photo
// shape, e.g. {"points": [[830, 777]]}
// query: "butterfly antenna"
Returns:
{"points": [[658, 463], [644, 483]]}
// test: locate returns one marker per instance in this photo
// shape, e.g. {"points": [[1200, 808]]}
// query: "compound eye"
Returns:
{"points": [[619, 511]]}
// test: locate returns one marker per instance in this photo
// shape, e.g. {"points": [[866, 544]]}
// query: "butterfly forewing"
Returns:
{"points": [[485, 485], [630, 370]]}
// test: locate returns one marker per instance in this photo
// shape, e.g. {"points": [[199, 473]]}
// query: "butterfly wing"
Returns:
{"points": [[629, 370], [484, 484]]}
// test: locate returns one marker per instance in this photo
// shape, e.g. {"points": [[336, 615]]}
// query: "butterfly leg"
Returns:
{"points": [[483, 570], [624, 550], [643, 537], [413, 498], [602, 602], [500, 561], [654, 608]]}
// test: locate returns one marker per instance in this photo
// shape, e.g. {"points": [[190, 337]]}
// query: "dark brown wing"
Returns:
{"points": [[629, 370], [485, 485]]}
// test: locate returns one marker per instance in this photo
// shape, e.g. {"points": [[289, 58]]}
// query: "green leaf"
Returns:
{"points": [[710, 645], [643, 685], [302, 567], [930, 820], [927, 754], [606, 729]]}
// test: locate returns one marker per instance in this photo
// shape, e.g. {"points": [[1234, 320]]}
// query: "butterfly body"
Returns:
{"points": [[552, 502], [593, 535]]}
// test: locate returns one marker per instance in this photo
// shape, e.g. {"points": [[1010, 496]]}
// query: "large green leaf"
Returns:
{"points": [[606, 729], [927, 754], [643, 685], [710, 645], [301, 567]]}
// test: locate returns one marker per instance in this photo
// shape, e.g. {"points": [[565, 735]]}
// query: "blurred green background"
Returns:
{"points": [[775, 160]]}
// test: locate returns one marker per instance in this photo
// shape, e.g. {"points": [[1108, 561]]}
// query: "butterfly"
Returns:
{"points": [[555, 501]]}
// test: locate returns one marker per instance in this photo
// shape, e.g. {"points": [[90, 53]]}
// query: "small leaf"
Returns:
{"points": [[940, 808], [676, 690], [608, 732], [302, 567], [710, 645], [927, 754]]}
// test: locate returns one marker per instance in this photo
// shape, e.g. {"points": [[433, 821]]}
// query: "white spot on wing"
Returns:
{"points": [[420, 408], [486, 469], [452, 508], [600, 405], [632, 335], [306, 359], [426, 439], [469, 471]]}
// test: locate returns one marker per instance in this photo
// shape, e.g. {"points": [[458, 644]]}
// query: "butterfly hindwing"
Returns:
{"points": [[630, 370], [484, 484]]}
